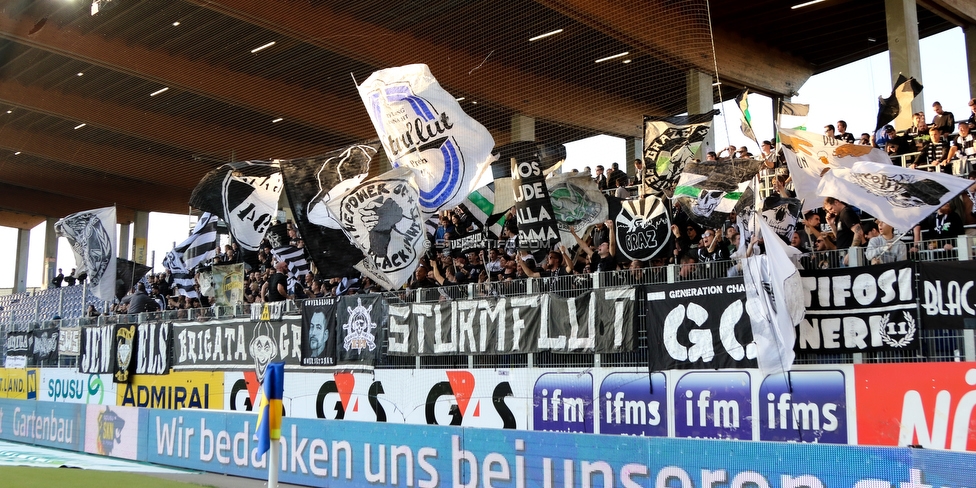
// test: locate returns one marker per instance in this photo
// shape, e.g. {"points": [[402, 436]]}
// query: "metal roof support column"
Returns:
{"points": [[701, 100], [903, 53], [50, 253], [140, 236], [124, 240], [523, 128], [20, 269], [970, 33]]}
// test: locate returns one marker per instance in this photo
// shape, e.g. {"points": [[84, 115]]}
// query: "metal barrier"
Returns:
{"points": [[936, 345]]}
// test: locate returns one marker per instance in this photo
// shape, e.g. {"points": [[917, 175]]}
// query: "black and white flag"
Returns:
{"points": [[97, 350], [311, 184], [669, 144], [291, 255], [538, 232], [864, 309], [245, 195], [708, 191], [361, 322], [126, 350], [643, 228], [183, 280], [699, 325], [905, 90], [383, 217], [153, 348], [901, 197], [92, 237], [20, 344], [201, 245]]}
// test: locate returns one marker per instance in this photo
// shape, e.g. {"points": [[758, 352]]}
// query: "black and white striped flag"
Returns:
{"points": [[201, 246], [294, 257], [182, 278]]}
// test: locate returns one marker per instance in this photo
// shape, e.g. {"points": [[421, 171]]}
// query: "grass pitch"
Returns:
{"points": [[35, 477]]}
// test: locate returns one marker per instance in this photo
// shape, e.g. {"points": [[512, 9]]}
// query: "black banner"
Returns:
{"points": [[699, 325], [97, 350], [861, 309], [153, 350], [236, 344], [537, 229], [126, 349], [45, 345], [319, 332], [600, 321], [20, 344], [361, 321], [947, 294]]}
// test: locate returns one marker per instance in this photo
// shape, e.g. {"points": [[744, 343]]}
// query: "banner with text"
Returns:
{"points": [[861, 309], [236, 344], [698, 326], [601, 321], [947, 295]]}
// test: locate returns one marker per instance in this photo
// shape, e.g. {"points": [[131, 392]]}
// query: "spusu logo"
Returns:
{"points": [[456, 402]]}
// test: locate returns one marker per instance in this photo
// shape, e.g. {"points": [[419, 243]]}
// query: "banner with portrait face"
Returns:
{"points": [[319, 332]]}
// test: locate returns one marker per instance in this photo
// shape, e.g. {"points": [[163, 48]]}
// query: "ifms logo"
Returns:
{"points": [[713, 405], [924, 404], [462, 401], [815, 410], [630, 404], [563, 402]]}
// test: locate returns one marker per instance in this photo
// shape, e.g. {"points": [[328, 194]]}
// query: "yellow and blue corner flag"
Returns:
{"points": [[269, 406]]}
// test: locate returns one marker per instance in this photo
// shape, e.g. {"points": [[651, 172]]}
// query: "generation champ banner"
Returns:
{"points": [[600, 321]]}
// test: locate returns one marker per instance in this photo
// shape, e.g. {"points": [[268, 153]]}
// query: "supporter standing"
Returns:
{"points": [[842, 134], [276, 288], [843, 222], [963, 149], [139, 301], [885, 247], [945, 121], [934, 152]]}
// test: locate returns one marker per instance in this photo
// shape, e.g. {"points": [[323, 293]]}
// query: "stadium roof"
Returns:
{"points": [[133, 105]]}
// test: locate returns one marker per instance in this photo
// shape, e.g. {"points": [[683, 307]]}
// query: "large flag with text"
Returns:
{"points": [[91, 234], [383, 218], [244, 194], [423, 128], [669, 144], [311, 184]]}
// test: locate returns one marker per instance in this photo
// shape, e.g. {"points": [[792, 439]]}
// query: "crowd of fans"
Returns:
{"points": [[820, 238]]}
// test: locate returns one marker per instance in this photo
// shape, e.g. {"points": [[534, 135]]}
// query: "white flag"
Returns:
{"points": [[381, 216], [902, 197], [577, 202], [774, 302], [92, 237], [422, 127], [813, 153]]}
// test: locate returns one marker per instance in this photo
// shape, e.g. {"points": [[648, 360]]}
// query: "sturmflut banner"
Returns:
{"points": [[947, 295], [601, 321], [859, 309], [699, 325]]}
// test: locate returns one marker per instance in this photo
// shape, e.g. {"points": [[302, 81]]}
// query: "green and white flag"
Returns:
{"points": [[708, 191], [746, 123]]}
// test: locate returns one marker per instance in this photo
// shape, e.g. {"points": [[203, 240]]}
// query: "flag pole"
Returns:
{"points": [[274, 463]]}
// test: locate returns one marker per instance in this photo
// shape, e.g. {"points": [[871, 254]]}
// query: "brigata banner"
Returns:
{"points": [[236, 344], [601, 321], [849, 310], [699, 325], [947, 294]]}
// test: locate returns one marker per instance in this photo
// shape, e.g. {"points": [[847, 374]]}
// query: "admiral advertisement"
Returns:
{"points": [[861, 309], [112, 431], [947, 295], [598, 322], [69, 386], [698, 326], [174, 391], [930, 405]]}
